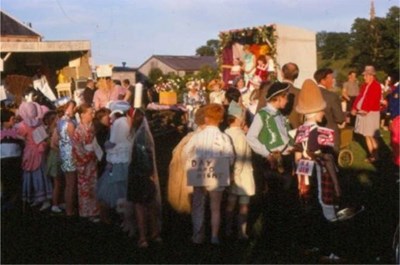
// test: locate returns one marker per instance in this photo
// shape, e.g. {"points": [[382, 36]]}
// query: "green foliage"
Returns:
{"points": [[370, 42], [154, 75], [333, 45], [210, 49], [377, 42]]}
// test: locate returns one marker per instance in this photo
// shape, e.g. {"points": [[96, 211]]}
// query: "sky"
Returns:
{"points": [[132, 31]]}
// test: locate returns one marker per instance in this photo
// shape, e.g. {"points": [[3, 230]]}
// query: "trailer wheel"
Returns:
{"points": [[345, 158]]}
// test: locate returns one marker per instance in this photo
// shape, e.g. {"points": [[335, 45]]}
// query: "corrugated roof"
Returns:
{"points": [[187, 63], [11, 26], [123, 69]]}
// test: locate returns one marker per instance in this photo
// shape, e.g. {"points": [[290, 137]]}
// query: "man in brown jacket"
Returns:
{"points": [[290, 72], [333, 111]]}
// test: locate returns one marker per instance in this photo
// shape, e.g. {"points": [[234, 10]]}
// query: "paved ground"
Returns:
{"points": [[366, 239]]}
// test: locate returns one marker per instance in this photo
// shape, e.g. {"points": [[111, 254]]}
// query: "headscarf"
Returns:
{"points": [[31, 113]]}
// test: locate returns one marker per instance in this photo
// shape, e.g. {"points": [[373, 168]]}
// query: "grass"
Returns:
{"points": [[45, 239]]}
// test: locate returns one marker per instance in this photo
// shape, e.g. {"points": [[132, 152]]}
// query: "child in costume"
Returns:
{"points": [[193, 99], [314, 149], [261, 73], [179, 193], [53, 161], [65, 130], [36, 188], [218, 94], [212, 144], [86, 164], [242, 184], [249, 65], [236, 69]]}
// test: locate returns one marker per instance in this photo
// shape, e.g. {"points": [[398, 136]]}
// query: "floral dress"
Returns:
{"points": [[65, 145], [193, 102], [86, 166]]}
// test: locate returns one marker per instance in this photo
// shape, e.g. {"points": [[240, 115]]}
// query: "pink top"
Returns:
{"points": [[33, 153], [103, 96]]}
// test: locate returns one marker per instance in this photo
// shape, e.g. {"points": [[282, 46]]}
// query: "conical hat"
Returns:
{"points": [[310, 98]]}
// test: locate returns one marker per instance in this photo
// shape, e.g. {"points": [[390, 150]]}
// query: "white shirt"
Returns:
{"points": [[257, 125], [120, 136]]}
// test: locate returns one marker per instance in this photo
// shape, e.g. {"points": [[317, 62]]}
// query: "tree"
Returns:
{"points": [[377, 42], [155, 74], [210, 49]]}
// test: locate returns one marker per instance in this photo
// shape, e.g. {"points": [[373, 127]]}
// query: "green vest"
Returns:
{"points": [[270, 135]]}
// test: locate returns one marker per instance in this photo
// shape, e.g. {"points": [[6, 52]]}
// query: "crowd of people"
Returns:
{"points": [[96, 160]]}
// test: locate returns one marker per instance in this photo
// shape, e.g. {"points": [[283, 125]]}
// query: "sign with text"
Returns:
{"points": [[305, 167], [208, 172], [39, 134]]}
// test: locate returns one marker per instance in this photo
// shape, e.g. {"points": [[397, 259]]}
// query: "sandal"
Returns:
{"points": [[370, 159], [143, 244], [156, 239]]}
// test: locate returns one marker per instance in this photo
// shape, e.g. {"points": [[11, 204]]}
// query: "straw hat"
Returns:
{"points": [[310, 98]]}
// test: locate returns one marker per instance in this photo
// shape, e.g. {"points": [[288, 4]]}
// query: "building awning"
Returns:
{"points": [[45, 46]]}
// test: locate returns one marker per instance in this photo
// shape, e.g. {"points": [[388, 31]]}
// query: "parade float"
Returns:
{"points": [[280, 43]]}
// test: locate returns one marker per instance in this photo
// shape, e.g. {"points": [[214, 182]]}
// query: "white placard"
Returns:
{"points": [[104, 70], [208, 172], [305, 167], [43, 86], [97, 149], [39, 134], [3, 94], [137, 103]]}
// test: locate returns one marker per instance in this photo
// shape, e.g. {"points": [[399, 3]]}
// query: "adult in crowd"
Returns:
{"points": [[366, 107], [143, 183], [333, 111], [88, 92], [290, 72], [130, 91], [350, 91], [393, 100], [106, 92]]}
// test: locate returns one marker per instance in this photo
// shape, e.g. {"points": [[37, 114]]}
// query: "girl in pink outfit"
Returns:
{"points": [[36, 187]]}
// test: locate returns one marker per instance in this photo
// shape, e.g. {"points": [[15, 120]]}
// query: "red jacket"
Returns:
{"points": [[372, 98]]}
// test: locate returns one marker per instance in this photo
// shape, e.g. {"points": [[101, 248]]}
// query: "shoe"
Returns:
{"points": [[156, 239], [143, 244], [348, 213], [55, 209], [243, 237], [35, 203], [46, 205], [370, 159], [94, 219], [215, 240], [331, 259]]}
